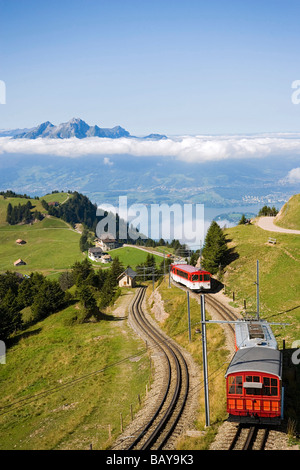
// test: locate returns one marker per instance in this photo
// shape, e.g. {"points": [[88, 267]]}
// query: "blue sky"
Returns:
{"points": [[168, 66]]}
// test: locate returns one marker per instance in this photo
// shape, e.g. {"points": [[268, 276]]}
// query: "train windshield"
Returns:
{"points": [[206, 277], [195, 277]]}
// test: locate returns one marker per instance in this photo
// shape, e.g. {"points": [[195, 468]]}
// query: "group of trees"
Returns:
{"points": [[10, 193], [268, 211], [37, 292], [22, 214], [78, 209], [94, 290]]}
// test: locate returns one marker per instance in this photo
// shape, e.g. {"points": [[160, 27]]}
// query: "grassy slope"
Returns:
{"points": [[52, 353], [289, 215], [132, 256], [14, 202], [51, 246], [279, 276]]}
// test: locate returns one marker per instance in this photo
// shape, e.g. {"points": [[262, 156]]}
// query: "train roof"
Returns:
{"points": [[250, 333], [256, 359], [188, 268]]}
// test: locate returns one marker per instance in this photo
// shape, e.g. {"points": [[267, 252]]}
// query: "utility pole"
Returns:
{"points": [[204, 353], [257, 289], [189, 315]]}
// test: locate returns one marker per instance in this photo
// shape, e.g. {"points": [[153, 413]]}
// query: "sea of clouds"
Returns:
{"points": [[193, 149]]}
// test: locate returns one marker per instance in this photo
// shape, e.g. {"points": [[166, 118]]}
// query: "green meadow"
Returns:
{"points": [[289, 215], [279, 276], [51, 246], [130, 256], [64, 385]]}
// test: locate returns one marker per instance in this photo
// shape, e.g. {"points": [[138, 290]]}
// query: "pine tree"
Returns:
{"points": [[108, 290], [10, 316], [9, 213], [215, 248], [242, 220], [116, 269], [87, 299]]}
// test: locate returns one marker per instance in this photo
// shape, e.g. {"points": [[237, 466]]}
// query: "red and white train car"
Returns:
{"points": [[254, 376], [191, 277]]}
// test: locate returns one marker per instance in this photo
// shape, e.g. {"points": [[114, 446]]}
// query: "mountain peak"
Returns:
{"points": [[78, 128]]}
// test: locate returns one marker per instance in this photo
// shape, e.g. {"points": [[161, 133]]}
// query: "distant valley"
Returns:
{"points": [[54, 157]]}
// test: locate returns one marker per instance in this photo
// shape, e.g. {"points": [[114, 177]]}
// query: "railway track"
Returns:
{"points": [[157, 431], [212, 303], [249, 438]]}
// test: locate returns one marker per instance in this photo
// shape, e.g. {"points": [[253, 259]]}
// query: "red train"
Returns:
{"points": [[191, 277], [254, 376]]}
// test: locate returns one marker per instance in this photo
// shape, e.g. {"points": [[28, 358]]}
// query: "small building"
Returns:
{"points": [[95, 253], [106, 258], [53, 203], [127, 278], [19, 262], [20, 241], [107, 242]]}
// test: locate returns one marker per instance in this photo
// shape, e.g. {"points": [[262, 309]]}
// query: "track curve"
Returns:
{"points": [[160, 426]]}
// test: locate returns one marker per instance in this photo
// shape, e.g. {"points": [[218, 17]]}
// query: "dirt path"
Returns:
{"points": [[267, 223]]}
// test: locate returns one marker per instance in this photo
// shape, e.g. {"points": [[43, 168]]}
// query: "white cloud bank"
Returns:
{"points": [[293, 176], [186, 148]]}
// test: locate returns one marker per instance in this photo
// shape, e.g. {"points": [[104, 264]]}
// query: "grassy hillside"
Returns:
{"points": [[279, 276], [51, 246], [102, 365], [132, 256], [37, 205], [289, 215], [57, 197]]}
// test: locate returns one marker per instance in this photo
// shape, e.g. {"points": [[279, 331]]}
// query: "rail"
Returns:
{"points": [[160, 426]]}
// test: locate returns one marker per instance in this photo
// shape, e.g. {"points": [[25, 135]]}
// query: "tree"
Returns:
{"points": [[116, 269], [215, 248], [9, 213], [87, 299], [84, 243], [81, 271], [108, 290], [10, 316], [66, 280], [243, 220], [50, 299]]}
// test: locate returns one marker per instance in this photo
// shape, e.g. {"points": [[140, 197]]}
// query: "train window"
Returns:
{"points": [[270, 387], [195, 277], [182, 274], [206, 277], [235, 385], [253, 389], [252, 378]]}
